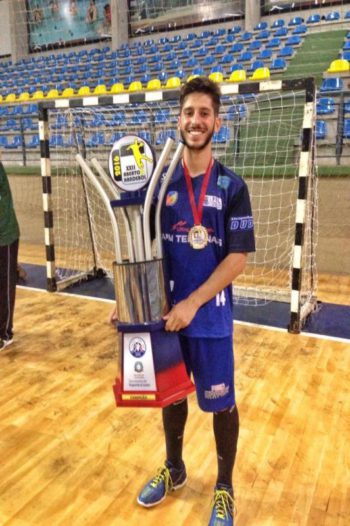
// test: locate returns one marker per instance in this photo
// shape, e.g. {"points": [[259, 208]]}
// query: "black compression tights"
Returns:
{"points": [[226, 429], [174, 420]]}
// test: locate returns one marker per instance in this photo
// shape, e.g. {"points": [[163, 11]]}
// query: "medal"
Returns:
{"points": [[198, 235]]}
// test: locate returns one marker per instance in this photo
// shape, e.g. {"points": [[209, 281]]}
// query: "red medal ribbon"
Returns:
{"points": [[197, 211]]}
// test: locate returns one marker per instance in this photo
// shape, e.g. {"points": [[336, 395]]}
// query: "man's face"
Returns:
{"points": [[197, 121]]}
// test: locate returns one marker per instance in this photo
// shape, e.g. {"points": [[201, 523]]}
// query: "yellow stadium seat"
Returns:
{"points": [[1, 98], [84, 90], [118, 87], [339, 65], [154, 84], [24, 96], [100, 89], [39, 94], [238, 76], [261, 74], [216, 76], [68, 92], [190, 77], [52, 94], [136, 85], [173, 82], [10, 97]]}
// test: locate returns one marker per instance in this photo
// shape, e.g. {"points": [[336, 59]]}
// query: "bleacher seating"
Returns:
{"points": [[325, 106], [346, 129], [331, 84], [321, 129]]}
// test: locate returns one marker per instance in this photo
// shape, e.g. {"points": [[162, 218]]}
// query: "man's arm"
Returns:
{"points": [[183, 312]]}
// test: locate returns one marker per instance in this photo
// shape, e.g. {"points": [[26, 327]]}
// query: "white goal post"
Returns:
{"points": [[267, 137]]}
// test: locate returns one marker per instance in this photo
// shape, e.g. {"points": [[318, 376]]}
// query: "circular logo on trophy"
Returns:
{"points": [[131, 163], [137, 347], [138, 367]]}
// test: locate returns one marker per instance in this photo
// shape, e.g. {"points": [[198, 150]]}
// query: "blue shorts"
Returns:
{"points": [[211, 362]]}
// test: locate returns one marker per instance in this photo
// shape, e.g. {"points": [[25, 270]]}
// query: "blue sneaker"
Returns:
{"points": [[167, 479], [223, 507]]}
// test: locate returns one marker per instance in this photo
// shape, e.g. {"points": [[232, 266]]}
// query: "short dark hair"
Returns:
{"points": [[201, 85]]}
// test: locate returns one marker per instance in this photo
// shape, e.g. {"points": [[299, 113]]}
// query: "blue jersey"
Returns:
{"points": [[228, 219]]}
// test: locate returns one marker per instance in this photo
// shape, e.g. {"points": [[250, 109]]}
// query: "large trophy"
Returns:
{"points": [[152, 372]]}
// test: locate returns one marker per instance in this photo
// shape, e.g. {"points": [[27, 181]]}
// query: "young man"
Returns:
{"points": [[207, 231], [9, 239]]}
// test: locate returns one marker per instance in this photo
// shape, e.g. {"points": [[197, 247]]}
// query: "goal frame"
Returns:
{"points": [[306, 168]]}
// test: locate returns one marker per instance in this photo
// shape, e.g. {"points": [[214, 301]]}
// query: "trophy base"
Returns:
{"points": [[153, 373]]}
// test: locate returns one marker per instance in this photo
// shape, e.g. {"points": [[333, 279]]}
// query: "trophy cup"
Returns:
{"points": [[151, 368]]}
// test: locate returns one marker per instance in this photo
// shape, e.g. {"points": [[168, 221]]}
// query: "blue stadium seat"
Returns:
{"points": [[281, 32], [255, 65], [222, 136], [346, 129], [346, 46], [314, 19], [254, 46], [260, 26], [235, 30], [297, 20], [325, 106], [246, 56], [162, 116], [247, 35], [263, 35], [227, 59], [235, 112], [273, 43], [219, 50], [17, 142], [331, 84], [293, 40], [265, 54], [164, 134], [236, 48], [56, 140], [286, 51], [186, 53], [146, 135], [213, 41], [198, 71], [346, 108], [278, 23], [333, 16], [209, 61], [321, 129], [202, 52], [196, 44], [170, 56], [278, 64], [96, 139], [3, 141], [300, 30], [34, 141], [220, 32]]}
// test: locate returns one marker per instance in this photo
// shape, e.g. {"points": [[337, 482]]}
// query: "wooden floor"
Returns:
{"points": [[69, 457]]}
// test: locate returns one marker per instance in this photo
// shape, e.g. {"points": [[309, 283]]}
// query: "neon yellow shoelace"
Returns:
{"points": [[224, 504], [163, 475]]}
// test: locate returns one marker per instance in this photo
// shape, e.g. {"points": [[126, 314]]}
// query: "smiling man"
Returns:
{"points": [[207, 232]]}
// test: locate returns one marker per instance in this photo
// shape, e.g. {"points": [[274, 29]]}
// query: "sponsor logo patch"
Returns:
{"points": [[171, 198], [242, 223]]}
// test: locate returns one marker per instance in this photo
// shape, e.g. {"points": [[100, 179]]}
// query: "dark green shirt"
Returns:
{"points": [[9, 229]]}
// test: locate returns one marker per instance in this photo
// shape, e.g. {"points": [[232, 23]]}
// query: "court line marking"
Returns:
{"points": [[237, 322]]}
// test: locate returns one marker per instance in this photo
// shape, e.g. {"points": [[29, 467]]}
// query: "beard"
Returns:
{"points": [[197, 147]]}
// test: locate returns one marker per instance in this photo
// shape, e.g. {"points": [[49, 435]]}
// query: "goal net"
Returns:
{"points": [[266, 137]]}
